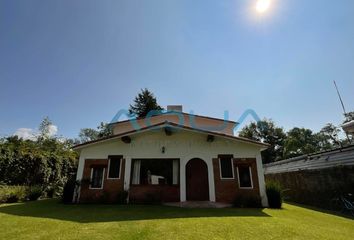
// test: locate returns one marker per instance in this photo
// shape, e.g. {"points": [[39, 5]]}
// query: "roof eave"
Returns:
{"points": [[169, 124]]}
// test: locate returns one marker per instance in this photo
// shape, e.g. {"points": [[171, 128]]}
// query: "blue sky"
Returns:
{"points": [[79, 62]]}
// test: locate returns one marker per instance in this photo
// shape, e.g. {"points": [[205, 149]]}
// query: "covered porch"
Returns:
{"points": [[169, 180]]}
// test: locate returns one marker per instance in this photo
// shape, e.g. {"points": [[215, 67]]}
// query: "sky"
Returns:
{"points": [[80, 62]]}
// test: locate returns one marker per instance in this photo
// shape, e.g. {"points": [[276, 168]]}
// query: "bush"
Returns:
{"points": [[12, 198], [50, 192], [11, 194], [122, 197], [247, 202], [68, 191], [34, 193], [274, 194]]}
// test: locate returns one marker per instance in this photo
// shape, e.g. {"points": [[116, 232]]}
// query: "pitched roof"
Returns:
{"points": [[176, 112], [174, 125]]}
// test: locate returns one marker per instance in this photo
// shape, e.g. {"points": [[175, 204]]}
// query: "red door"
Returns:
{"points": [[197, 180]]}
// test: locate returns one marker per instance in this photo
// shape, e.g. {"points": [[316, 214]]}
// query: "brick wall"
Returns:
{"points": [[226, 190], [111, 187], [157, 193]]}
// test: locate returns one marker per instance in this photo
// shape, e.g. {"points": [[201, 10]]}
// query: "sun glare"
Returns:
{"points": [[263, 5]]}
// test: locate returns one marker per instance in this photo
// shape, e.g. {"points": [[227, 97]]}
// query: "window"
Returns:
{"points": [[226, 167], [97, 174], [114, 166], [155, 172], [244, 177]]}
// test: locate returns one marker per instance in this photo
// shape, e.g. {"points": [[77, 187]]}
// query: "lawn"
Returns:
{"points": [[48, 219]]}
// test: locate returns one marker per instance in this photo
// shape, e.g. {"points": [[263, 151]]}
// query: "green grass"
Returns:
{"points": [[48, 219]]}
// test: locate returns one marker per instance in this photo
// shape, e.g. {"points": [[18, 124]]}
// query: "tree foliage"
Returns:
{"points": [[45, 161], [349, 116], [45, 128], [90, 134], [331, 135], [144, 102], [300, 141], [295, 142], [266, 131]]}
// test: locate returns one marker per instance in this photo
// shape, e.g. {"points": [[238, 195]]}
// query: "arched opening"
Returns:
{"points": [[197, 182]]}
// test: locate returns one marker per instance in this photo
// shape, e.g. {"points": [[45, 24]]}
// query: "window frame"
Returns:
{"points": [[90, 186], [239, 182], [142, 159], [232, 167], [109, 166]]}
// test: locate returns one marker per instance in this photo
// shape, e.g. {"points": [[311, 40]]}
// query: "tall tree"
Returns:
{"points": [[90, 134], [331, 132], [46, 128], [144, 102], [267, 132], [301, 141], [104, 130]]}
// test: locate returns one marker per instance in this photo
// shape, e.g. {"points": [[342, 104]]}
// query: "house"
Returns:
{"points": [[172, 157], [348, 127]]}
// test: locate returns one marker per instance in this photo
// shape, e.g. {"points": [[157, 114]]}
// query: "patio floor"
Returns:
{"points": [[198, 204]]}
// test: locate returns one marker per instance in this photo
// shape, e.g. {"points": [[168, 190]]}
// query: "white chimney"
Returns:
{"points": [[174, 108]]}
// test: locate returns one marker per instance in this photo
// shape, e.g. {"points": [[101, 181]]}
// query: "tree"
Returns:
{"points": [[46, 128], [331, 132], [301, 141], [46, 162], [90, 134], [349, 117], [144, 102], [266, 131], [104, 130]]}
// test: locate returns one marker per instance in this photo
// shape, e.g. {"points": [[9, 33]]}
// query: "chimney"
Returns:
{"points": [[174, 108]]}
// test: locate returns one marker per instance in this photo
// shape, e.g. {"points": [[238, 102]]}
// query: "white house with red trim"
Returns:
{"points": [[172, 157]]}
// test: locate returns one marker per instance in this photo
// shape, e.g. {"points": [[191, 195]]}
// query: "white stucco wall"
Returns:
{"points": [[182, 144]]}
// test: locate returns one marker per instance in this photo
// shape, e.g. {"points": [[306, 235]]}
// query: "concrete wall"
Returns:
{"points": [[182, 144]]}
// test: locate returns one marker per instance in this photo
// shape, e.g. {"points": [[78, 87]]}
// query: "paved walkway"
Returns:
{"points": [[198, 204]]}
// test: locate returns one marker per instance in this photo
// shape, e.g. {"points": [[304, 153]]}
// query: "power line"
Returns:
{"points": [[340, 98]]}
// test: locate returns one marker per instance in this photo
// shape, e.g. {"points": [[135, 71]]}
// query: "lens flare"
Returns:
{"points": [[263, 5]]}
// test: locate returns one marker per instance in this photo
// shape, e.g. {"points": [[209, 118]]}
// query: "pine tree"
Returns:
{"points": [[144, 103]]}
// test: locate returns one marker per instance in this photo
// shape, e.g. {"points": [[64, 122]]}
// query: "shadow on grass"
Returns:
{"points": [[336, 213], [53, 209]]}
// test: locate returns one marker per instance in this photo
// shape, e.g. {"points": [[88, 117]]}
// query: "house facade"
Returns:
{"points": [[172, 157]]}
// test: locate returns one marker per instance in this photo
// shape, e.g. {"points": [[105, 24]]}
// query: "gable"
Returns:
{"points": [[179, 118]]}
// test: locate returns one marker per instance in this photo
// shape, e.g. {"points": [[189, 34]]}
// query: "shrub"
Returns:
{"points": [[12, 198], [11, 194], [68, 191], [34, 193], [247, 202], [122, 197], [274, 194], [50, 192]]}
